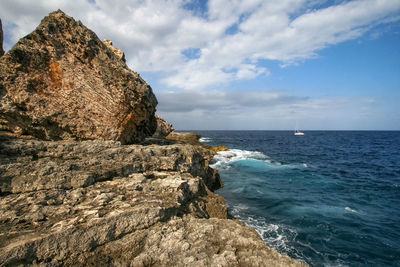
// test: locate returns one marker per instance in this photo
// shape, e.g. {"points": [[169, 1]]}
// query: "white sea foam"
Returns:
{"points": [[275, 235], [350, 210], [224, 158], [279, 237], [232, 155], [205, 139], [241, 207]]}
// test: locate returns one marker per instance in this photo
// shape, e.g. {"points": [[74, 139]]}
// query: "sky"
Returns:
{"points": [[249, 65]]}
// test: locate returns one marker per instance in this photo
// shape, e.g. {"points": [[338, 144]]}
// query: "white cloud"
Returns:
{"points": [[239, 100], [264, 110], [249, 71], [232, 35]]}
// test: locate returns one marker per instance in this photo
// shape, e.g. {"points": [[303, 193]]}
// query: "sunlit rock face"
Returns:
{"points": [[100, 203], [62, 82]]}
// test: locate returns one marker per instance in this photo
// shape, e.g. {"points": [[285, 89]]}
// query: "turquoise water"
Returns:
{"points": [[326, 198]]}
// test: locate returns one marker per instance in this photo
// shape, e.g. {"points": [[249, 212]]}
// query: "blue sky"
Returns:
{"points": [[255, 64]]}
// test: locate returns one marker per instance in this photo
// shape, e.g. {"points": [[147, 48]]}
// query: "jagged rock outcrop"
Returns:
{"points": [[164, 128], [1, 39], [99, 203], [62, 82], [185, 138], [118, 52], [193, 138]]}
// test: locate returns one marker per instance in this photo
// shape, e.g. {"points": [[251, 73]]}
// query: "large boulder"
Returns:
{"points": [[62, 82]]}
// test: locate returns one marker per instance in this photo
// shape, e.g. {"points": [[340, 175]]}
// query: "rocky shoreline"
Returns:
{"points": [[103, 203], [90, 176]]}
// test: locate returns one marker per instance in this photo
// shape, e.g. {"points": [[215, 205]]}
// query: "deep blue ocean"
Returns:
{"points": [[328, 198]]}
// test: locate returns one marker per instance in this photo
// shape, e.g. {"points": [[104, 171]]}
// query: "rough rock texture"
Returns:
{"points": [[164, 128], [193, 138], [118, 52], [185, 138], [99, 203], [1, 40], [217, 148], [62, 82], [27, 165]]}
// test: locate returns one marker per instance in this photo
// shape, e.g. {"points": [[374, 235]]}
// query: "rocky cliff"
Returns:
{"points": [[62, 82], [103, 202]]}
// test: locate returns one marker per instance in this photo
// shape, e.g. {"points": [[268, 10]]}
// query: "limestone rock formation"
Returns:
{"points": [[185, 138], [62, 82], [118, 52], [164, 128], [1, 39], [99, 203], [36, 165]]}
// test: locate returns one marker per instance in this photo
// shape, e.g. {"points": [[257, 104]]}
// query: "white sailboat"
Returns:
{"points": [[297, 131]]}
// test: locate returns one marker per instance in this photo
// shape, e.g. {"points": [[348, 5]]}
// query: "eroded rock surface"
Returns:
{"points": [[101, 203], [118, 52], [28, 165], [164, 128], [185, 138], [62, 82]]}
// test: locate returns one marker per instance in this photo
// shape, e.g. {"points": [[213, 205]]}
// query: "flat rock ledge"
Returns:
{"points": [[100, 203]]}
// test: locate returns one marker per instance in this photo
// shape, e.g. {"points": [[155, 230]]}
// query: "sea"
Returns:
{"points": [[328, 198]]}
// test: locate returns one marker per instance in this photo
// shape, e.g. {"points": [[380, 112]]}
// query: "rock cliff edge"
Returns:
{"points": [[75, 191]]}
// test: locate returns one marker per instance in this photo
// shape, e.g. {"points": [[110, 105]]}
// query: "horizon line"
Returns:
{"points": [[361, 130]]}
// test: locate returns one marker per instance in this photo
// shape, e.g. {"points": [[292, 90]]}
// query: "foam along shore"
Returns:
{"points": [[86, 182]]}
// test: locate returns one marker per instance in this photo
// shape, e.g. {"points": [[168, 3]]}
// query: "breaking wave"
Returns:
{"points": [[205, 140], [280, 237], [223, 159]]}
